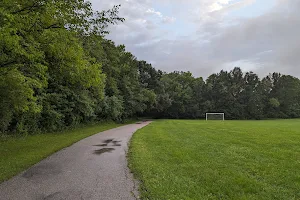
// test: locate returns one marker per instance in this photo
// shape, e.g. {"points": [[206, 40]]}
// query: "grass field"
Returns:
{"points": [[190, 159], [19, 153]]}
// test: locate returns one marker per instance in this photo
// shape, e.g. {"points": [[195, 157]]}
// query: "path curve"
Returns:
{"points": [[93, 168]]}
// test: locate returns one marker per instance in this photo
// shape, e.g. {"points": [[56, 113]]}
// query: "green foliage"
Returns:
{"points": [[46, 77], [17, 96], [179, 86], [111, 108], [274, 102]]}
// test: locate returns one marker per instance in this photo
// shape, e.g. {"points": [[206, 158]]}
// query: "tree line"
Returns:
{"points": [[58, 70]]}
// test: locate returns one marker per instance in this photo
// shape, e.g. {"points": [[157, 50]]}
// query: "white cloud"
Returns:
{"points": [[246, 65], [152, 11], [238, 5], [168, 20]]}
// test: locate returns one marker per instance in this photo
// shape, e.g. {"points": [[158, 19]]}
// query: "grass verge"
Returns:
{"points": [[19, 153], [189, 159]]}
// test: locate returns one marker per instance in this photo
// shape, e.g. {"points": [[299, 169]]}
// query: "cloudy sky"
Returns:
{"points": [[205, 36]]}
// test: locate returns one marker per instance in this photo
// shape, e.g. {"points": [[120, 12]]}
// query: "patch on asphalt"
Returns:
{"points": [[100, 145], [42, 170], [109, 142], [116, 143], [104, 150]]}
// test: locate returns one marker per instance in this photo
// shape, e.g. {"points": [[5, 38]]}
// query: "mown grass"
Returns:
{"points": [[19, 153], [186, 159]]}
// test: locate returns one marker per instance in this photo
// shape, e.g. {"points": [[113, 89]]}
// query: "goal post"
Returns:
{"points": [[215, 116]]}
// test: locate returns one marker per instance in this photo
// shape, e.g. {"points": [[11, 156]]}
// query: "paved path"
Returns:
{"points": [[93, 168]]}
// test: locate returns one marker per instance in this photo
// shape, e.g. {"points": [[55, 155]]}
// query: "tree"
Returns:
{"points": [[179, 88], [41, 49], [252, 97]]}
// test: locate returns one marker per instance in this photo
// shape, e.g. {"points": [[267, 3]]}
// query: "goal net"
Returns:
{"points": [[215, 116]]}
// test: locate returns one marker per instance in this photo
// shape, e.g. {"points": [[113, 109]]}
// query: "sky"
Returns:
{"points": [[206, 36]]}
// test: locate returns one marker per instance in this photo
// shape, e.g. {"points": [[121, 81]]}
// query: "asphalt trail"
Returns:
{"points": [[93, 168]]}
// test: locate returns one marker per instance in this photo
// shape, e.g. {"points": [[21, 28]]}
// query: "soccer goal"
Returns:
{"points": [[215, 116]]}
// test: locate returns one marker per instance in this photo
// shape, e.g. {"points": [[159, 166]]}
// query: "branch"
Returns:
{"points": [[36, 5], [6, 64], [56, 25]]}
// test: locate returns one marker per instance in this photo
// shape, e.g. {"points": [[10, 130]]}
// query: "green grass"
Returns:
{"points": [[19, 153], [192, 159]]}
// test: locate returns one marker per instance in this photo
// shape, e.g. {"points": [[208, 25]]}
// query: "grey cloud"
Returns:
{"points": [[277, 31], [264, 44]]}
